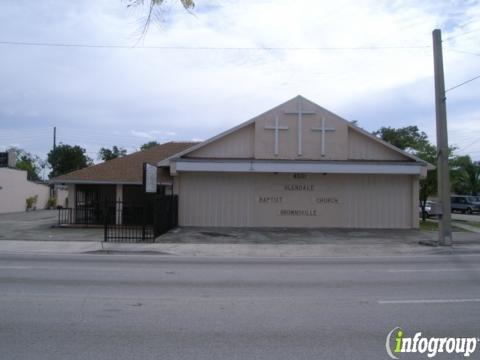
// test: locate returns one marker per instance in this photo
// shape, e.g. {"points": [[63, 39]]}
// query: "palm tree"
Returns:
{"points": [[152, 6], [466, 176]]}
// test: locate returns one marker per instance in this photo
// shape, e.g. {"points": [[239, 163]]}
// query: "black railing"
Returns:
{"points": [[82, 215], [166, 214], [141, 222], [129, 233], [65, 216], [91, 214]]}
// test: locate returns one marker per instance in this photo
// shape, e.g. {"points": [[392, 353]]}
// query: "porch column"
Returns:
{"points": [[72, 201], [175, 185], [119, 204]]}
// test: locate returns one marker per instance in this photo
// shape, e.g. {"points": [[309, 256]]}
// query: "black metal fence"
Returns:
{"points": [[86, 215], [141, 222], [65, 216]]}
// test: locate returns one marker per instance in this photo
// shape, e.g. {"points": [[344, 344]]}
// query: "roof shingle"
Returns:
{"points": [[127, 169]]}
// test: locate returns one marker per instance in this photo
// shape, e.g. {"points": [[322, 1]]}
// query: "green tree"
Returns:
{"points": [[406, 138], [411, 139], [149, 145], [109, 154], [416, 142], [67, 158], [428, 185], [32, 164], [28, 164], [466, 176]]}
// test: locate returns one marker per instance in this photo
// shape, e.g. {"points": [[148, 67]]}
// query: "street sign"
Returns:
{"points": [[149, 178]]}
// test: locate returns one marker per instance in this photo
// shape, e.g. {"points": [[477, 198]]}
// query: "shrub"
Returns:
{"points": [[31, 202], [51, 202]]}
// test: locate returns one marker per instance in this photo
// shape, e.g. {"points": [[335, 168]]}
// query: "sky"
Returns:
{"points": [[195, 74]]}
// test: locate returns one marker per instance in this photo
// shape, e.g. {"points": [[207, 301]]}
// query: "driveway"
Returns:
{"points": [[289, 236], [37, 225]]}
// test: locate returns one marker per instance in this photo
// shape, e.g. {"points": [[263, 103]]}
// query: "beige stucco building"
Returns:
{"points": [[15, 189], [297, 165]]}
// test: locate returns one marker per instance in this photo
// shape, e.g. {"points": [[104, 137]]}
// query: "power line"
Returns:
{"points": [[461, 34], [202, 48], [464, 52], [465, 82], [469, 22], [465, 138], [472, 143]]}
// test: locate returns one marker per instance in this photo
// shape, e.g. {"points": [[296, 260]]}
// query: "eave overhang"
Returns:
{"points": [[294, 166], [99, 182]]}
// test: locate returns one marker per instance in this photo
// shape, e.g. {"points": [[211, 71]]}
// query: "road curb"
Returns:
{"points": [[229, 250]]}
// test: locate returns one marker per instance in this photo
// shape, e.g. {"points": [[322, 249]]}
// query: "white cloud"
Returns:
{"points": [[142, 134], [153, 134], [197, 93]]}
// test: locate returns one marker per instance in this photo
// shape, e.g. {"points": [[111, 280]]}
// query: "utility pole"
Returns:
{"points": [[54, 147], [54, 138], [443, 173]]}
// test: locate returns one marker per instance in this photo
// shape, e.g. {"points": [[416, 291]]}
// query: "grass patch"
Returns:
{"points": [[429, 225], [474, 224]]}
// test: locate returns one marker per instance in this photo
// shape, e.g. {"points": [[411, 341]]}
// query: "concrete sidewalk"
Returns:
{"points": [[236, 250]]}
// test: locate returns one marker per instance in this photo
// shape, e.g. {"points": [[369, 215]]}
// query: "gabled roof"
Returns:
{"points": [[165, 162], [124, 170], [390, 146]]}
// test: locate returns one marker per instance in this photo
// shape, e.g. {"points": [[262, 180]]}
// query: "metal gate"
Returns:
{"points": [[90, 203], [143, 221]]}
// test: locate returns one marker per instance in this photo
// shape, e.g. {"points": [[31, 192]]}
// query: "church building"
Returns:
{"points": [[296, 165]]}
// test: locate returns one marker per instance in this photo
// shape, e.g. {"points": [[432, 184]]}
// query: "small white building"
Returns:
{"points": [[297, 165], [15, 189]]}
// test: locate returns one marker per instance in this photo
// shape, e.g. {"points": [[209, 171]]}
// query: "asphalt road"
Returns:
{"points": [[160, 307]]}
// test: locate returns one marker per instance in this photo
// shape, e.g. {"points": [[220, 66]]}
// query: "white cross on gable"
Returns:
{"points": [[323, 129], [276, 128], [300, 112]]}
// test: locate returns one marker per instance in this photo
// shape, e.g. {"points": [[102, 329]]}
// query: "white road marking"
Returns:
{"points": [[431, 270], [428, 301]]}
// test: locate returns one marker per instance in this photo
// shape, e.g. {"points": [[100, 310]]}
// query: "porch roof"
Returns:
{"points": [[124, 170]]}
